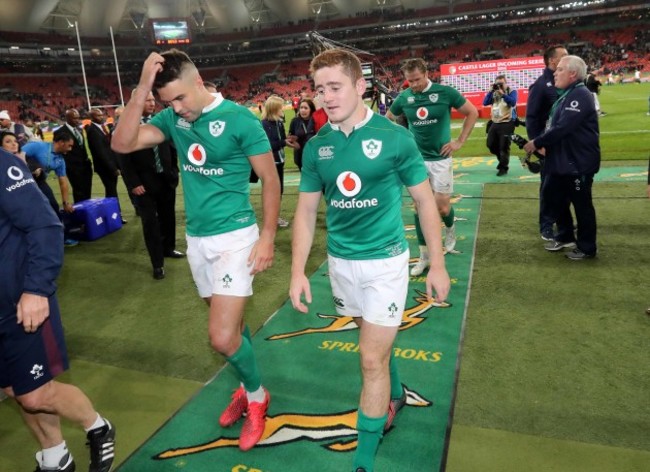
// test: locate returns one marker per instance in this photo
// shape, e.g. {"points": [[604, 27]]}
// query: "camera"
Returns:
{"points": [[534, 161], [519, 140], [496, 87]]}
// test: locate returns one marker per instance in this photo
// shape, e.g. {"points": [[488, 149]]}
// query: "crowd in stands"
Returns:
{"points": [[619, 45]]}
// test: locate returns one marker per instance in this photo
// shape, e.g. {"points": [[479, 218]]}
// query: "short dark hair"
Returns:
{"points": [[62, 134], [176, 62], [550, 53], [6, 133]]}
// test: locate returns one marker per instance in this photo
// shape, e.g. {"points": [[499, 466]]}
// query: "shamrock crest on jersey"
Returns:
{"points": [[433, 97], [217, 127], [371, 148]]}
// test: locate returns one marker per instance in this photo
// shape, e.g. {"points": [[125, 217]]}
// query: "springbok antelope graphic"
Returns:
{"points": [[291, 427], [412, 317]]}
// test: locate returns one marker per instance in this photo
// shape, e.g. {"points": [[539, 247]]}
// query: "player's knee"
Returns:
{"points": [[36, 400], [224, 343], [373, 365]]}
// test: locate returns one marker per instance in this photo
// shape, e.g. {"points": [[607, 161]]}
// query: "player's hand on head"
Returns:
{"points": [[152, 65]]}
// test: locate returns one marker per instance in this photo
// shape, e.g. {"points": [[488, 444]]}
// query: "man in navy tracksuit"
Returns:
{"points": [[32, 347], [541, 96], [572, 149]]}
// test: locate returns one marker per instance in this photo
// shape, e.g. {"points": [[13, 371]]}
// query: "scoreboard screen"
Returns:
{"points": [[170, 32]]}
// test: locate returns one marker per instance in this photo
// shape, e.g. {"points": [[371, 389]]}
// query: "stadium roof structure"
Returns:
{"points": [[94, 17]]}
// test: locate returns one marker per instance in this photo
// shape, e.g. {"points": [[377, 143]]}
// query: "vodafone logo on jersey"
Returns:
{"points": [[422, 113], [14, 173], [196, 154], [196, 157], [349, 183], [17, 175]]}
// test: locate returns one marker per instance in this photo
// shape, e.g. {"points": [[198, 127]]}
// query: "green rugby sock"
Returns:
{"points": [[247, 334], [449, 219], [370, 432], [246, 366], [418, 231], [396, 388]]}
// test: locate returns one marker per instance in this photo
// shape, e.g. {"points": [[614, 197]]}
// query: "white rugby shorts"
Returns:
{"points": [[219, 263], [373, 289], [441, 175]]}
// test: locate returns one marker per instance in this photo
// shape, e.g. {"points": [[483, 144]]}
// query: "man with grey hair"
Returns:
{"points": [[571, 142]]}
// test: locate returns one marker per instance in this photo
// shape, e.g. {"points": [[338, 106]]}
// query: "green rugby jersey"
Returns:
{"points": [[213, 158], [362, 176], [429, 116]]}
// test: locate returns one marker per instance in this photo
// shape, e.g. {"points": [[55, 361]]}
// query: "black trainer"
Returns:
{"points": [[578, 255], [554, 246], [66, 464], [360, 469], [102, 447]]}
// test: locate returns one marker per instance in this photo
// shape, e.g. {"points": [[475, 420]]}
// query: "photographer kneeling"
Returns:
{"points": [[503, 121]]}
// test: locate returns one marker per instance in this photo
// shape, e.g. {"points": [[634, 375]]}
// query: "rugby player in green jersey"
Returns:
{"points": [[217, 142], [360, 161], [427, 108]]}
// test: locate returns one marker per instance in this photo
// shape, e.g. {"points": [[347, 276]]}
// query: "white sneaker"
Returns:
{"points": [[450, 238], [419, 267], [422, 263], [282, 223]]}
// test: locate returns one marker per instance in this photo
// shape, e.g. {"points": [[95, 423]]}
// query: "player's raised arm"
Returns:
{"points": [[129, 135]]}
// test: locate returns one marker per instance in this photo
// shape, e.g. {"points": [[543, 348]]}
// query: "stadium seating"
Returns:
{"points": [[44, 96]]}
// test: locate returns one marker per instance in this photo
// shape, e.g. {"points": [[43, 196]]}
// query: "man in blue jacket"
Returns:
{"points": [[32, 347], [49, 156], [571, 142], [541, 96]]}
